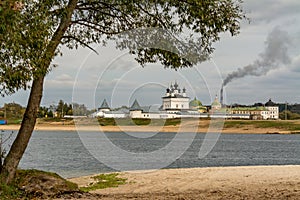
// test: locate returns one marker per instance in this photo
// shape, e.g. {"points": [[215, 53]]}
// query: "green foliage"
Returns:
{"points": [[9, 192], [12, 111], [25, 33], [104, 181], [152, 30], [63, 109], [289, 115], [45, 112]]}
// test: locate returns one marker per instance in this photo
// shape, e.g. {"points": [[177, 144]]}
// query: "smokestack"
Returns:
{"points": [[221, 95], [274, 55]]}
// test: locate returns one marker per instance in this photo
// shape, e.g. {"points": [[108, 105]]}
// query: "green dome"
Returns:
{"points": [[216, 103], [195, 103]]}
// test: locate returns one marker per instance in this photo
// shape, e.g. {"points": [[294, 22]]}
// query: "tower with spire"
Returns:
{"points": [[104, 106], [135, 110]]}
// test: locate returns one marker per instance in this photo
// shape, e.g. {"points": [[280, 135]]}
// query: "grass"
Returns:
{"points": [[283, 125], [8, 192], [138, 122], [31, 177], [104, 181], [14, 121], [23, 175], [53, 183]]}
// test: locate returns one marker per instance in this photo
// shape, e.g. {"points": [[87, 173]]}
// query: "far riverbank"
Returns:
{"points": [[202, 126]]}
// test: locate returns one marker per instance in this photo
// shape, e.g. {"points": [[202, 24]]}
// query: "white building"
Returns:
{"points": [[175, 104], [269, 111], [105, 112], [273, 110], [136, 111], [174, 100]]}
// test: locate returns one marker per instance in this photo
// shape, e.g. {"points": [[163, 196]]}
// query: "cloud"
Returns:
{"points": [[60, 81], [295, 66], [271, 10]]}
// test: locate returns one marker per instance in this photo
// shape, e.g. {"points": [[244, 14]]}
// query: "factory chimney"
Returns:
{"points": [[221, 96]]}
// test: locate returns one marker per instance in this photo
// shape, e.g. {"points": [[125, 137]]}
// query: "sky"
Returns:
{"points": [[84, 77]]}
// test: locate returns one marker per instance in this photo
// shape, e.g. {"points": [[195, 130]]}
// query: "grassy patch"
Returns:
{"points": [[14, 121], [24, 176], [104, 181], [8, 192], [237, 123], [138, 122], [29, 184], [50, 119], [282, 125]]}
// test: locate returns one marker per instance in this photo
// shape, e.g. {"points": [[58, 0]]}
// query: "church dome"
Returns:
{"points": [[270, 103], [216, 104], [195, 103]]}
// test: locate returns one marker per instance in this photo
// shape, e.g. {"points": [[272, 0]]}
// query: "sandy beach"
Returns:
{"points": [[251, 182]]}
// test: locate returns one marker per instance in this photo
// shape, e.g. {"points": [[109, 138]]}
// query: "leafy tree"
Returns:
{"points": [[13, 110], [60, 109], [32, 33], [79, 109], [45, 112], [289, 115], [69, 110], [50, 113], [63, 109]]}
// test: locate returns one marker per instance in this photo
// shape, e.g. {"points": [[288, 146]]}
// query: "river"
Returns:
{"points": [[64, 153]]}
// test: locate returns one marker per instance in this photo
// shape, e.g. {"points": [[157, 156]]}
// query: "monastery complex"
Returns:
{"points": [[176, 104]]}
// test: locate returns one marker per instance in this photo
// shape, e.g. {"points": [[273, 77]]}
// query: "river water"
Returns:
{"points": [[64, 153]]}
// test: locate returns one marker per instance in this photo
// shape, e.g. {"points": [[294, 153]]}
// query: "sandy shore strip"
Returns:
{"points": [[182, 128], [251, 182]]}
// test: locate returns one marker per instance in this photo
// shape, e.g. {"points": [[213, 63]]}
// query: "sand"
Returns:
{"points": [[251, 182]]}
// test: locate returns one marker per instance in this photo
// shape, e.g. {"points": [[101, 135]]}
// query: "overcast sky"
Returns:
{"points": [[87, 78]]}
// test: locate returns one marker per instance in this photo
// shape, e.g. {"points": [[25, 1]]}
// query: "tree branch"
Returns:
{"points": [[94, 26], [69, 37]]}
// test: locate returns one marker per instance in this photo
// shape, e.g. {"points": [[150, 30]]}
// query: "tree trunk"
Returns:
{"points": [[19, 145]]}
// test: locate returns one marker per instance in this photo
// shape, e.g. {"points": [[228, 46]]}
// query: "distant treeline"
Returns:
{"points": [[294, 108], [16, 111]]}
